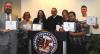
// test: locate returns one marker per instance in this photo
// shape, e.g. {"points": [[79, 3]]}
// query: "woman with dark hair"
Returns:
{"points": [[41, 19]]}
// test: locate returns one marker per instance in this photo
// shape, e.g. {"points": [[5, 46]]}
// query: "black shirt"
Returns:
{"points": [[52, 22]]}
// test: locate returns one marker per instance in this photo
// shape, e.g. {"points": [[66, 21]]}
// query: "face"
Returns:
{"points": [[8, 8], [40, 14], [72, 17], [65, 15], [54, 12], [83, 10], [27, 16]]}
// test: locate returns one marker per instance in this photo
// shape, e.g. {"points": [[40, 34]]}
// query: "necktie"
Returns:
{"points": [[8, 17]]}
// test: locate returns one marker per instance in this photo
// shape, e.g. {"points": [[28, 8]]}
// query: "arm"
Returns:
{"points": [[1, 25], [77, 33], [96, 26], [79, 30]]}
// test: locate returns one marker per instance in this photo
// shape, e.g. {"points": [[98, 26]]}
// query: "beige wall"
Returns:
{"points": [[72, 5]]}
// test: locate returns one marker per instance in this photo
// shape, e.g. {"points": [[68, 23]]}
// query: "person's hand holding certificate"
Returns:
{"points": [[91, 20], [11, 25], [37, 27], [69, 26]]}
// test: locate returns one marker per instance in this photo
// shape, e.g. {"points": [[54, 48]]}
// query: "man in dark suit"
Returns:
{"points": [[53, 20], [8, 38]]}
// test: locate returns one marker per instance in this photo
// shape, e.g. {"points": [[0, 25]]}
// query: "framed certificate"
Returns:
{"points": [[91, 20], [36, 27], [69, 26], [10, 25]]}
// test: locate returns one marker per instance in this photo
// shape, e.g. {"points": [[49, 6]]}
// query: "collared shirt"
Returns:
{"points": [[54, 17], [8, 17], [41, 21]]}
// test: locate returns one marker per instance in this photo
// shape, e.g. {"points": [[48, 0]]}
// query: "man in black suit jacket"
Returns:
{"points": [[53, 20]]}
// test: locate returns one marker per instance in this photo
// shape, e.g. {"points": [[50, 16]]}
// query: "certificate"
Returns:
{"points": [[36, 27], [57, 27], [10, 25], [91, 20], [69, 26]]}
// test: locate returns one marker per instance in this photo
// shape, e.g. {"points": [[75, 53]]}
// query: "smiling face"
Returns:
{"points": [[65, 15], [40, 13], [54, 11], [26, 16], [8, 7], [84, 11], [72, 16]]}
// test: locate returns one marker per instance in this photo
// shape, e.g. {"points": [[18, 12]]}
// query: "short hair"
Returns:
{"points": [[65, 11], [72, 13], [84, 6], [55, 8]]}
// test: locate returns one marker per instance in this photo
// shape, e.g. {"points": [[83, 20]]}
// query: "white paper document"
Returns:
{"points": [[91, 20], [57, 27], [10, 25], [37, 27], [69, 26]]}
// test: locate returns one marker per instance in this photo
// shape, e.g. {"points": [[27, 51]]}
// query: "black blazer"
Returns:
{"points": [[36, 21], [52, 22]]}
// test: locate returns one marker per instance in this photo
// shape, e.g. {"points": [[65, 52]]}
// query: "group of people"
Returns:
{"points": [[8, 38]]}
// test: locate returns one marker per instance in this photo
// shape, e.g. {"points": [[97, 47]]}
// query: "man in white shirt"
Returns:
{"points": [[86, 27], [84, 19]]}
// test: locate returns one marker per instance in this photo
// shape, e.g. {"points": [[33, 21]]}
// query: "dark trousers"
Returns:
{"points": [[59, 48], [4, 49], [76, 49], [77, 45], [23, 47], [23, 44]]}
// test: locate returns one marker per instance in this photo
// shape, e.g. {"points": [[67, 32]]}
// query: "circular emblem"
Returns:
{"points": [[45, 43]]}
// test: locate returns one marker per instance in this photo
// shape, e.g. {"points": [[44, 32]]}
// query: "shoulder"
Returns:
{"points": [[58, 16], [30, 22], [35, 19], [49, 17], [1, 14]]}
